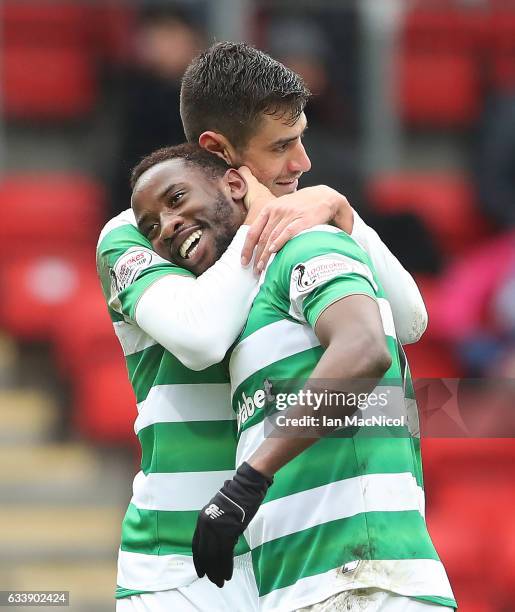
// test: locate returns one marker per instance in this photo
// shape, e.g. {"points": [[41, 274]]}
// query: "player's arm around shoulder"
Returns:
{"points": [[409, 311], [143, 292]]}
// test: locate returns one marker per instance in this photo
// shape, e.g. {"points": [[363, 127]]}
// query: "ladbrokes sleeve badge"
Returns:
{"points": [[315, 272], [130, 265]]}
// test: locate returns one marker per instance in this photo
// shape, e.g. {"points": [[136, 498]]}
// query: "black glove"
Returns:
{"points": [[223, 520]]}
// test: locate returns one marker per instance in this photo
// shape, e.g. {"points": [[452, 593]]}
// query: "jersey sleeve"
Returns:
{"points": [[409, 311], [127, 266], [320, 267]]}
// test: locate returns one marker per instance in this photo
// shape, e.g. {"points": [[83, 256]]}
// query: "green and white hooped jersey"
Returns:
{"points": [[348, 512], [184, 423]]}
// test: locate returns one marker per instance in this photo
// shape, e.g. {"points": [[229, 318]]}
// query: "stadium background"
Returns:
{"points": [[413, 119]]}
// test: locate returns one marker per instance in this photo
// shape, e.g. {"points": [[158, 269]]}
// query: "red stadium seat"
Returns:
{"points": [[475, 596], [438, 89], [49, 212], [453, 533], [501, 47], [105, 406], [451, 458], [432, 359], [112, 27], [501, 25], [443, 27], [37, 290], [48, 22], [48, 70], [462, 522], [469, 497], [502, 72], [84, 333], [47, 83], [446, 203]]}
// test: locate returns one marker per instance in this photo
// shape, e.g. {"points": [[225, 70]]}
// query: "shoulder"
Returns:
{"points": [[319, 241], [120, 229]]}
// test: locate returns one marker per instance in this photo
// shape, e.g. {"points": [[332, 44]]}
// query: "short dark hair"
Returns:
{"points": [[228, 87], [190, 152]]}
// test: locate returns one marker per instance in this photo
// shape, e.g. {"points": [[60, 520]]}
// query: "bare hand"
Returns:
{"points": [[287, 216], [257, 195]]}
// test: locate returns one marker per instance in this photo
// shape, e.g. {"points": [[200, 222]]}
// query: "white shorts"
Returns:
{"points": [[238, 595], [373, 600]]}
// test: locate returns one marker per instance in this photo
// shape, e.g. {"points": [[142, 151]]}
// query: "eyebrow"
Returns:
{"points": [[283, 141], [141, 221], [167, 190]]}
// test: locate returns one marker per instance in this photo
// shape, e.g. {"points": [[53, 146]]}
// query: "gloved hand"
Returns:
{"points": [[223, 520]]}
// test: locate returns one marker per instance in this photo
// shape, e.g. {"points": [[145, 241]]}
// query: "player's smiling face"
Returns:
{"points": [[189, 217], [275, 154]]}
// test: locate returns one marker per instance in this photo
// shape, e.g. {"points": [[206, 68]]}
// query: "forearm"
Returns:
{"points": [[409, 311], [198, 319], [350, 372]]}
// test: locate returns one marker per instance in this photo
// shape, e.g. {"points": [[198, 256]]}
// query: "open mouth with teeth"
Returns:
{"points": [[189, 247]]}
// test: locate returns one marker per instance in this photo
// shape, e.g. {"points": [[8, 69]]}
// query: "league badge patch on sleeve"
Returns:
{"points": [[317, 271], [130, 265], [308, 275]]}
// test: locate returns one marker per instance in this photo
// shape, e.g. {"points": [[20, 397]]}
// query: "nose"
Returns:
{"points": [[299, 161], [170, 223]]}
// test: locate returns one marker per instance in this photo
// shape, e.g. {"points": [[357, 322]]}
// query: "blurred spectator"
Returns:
{"points": [[475, 310], [303, 46], [496, 160], [166, 40]]}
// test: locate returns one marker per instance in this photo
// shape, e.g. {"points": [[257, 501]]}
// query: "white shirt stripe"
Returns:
{"points": [[262, 348], [337, 500], [185, 403], [178, 491], [132, 338], [386, 317]]}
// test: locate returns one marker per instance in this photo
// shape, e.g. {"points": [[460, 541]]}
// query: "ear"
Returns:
{"points": [[236, 184], [218, 144]]}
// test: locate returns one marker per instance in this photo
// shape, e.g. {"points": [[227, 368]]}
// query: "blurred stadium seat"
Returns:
{"points": [[501, 49], [446, 202], [430, 358], [438, 89], [451, 458], [46, 22], [501, 25], [48, 70], [111, 26], [49, 212], [47, 83], [83, 333], [38, 290], [104, 409], [441, 27], [439, 64], [469, 519]]}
